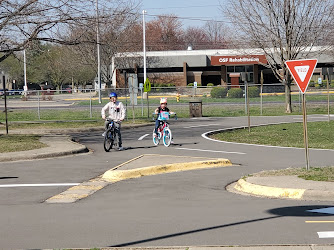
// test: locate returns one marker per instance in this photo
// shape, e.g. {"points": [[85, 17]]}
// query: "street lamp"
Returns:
{"points": [[25, 71], [144, 45], [98, 50]]}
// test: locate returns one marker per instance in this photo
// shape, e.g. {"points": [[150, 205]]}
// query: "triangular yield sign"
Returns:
{"points": [[302, 71]]}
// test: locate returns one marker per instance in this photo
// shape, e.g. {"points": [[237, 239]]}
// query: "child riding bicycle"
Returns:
{"points": [[160, 112], [116, 112]]}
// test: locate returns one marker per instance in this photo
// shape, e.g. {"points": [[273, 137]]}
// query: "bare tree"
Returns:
{"points": [[117, 34], [164, 33], [24, 21], [62, 22], [283, 30], [216, 33], [196, 38]]}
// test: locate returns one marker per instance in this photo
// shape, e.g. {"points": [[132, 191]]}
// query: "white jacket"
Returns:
{"points": [[116, 111]]}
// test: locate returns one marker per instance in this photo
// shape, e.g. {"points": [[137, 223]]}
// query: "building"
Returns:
{"points": [[219, 67]]}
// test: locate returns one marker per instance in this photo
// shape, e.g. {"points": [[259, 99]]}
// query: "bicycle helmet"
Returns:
{"points": [[113, 94], [163, 100]]}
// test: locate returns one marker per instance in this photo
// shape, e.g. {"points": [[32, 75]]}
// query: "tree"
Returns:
{"points": [[23, 22], [216, 33], [117, 34], [164, 33], [283, 30], [195, 37]]}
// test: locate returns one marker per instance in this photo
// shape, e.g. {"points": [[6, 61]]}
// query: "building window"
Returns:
{"points": [[240, 69]]}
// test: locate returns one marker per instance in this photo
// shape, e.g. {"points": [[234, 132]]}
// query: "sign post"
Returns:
{"points": [[147, 88], [301, 71]]}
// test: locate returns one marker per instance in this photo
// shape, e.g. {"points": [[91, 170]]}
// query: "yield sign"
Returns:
{"points": [[301, 71]]}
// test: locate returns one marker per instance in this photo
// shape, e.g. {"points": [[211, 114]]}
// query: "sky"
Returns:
{"points": [[193, 12]]}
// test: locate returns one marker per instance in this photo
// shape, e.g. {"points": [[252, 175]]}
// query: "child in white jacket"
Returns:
{"points": [[116, 113]]}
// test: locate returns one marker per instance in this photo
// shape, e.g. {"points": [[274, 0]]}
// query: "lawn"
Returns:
{"points": [[320, 135]]}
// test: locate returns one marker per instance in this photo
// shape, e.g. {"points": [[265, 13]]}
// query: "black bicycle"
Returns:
{"points": [[110, 136]]}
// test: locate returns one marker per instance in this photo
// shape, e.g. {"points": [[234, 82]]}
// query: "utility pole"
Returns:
{"points": [[98, 50]]}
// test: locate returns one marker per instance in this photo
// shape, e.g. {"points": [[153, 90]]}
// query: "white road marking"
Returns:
{"points": [[142, 137], [207, 125], [328, 210], [328, 234], [39, 185], [213, 151]]}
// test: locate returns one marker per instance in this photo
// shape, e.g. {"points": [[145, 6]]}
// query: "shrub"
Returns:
{"points": [[191, 84], [317, 86], [235, 93], [210, 85], [253, 92], [218, 92]]}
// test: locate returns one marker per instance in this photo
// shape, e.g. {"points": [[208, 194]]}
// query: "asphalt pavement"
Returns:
{"points": [[280, 187]]}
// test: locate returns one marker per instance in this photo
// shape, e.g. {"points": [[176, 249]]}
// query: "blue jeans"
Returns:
{"points": [[157, 124], [117, 127]]}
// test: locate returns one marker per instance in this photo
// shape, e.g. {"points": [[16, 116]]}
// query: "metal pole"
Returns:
{"points": [[25, 72], [5, 96], [98, 50], [142, 104], [144, 45], [261, 89], [245, 97], [90, 104], [248, 112], [39, 106], [305, 133], [328, 109]]}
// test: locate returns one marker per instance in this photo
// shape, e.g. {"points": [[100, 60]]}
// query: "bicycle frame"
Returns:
{"points": [[110, 138]]}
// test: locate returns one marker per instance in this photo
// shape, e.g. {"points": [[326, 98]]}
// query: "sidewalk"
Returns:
{"points": [[285, 187]]}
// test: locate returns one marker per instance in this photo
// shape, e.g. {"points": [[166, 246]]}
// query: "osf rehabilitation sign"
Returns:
{"points": [[302, 71]]}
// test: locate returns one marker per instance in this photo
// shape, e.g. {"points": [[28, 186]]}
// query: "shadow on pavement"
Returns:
{"points": [[299, 211]]}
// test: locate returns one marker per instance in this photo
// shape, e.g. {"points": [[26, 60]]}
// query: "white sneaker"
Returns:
{"points": [[120, 149], [104, 134]]}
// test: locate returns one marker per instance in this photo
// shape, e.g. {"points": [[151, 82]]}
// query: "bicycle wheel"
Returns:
{"points": [[167, 137], [156, 139], [108, 140]]}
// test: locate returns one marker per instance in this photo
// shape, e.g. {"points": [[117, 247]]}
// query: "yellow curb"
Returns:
{"points": [[274, 192], [118, 175], [86, 187]]}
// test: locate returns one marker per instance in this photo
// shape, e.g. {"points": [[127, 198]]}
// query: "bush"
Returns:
{"points": [[253, 92], [317, 86], [210, 85], [235, 93], [218, 92], [191, 84]]}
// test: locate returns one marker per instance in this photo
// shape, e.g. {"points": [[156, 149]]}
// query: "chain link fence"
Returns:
{"points": [[54, 105]]}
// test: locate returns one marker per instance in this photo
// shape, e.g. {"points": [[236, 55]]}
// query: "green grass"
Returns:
{"points": [[320, 135], [314, 173], [12, 143]]}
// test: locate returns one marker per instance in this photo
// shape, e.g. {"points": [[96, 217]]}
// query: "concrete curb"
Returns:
{"points": [[272, 192], [57, 146], [283, 193], [118, 175]]}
